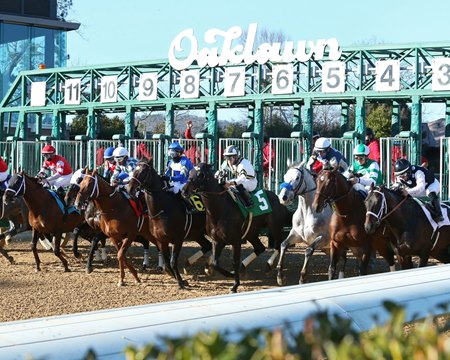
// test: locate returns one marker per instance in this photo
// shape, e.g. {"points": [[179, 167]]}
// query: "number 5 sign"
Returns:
{"points": [[387, 75], [333, 77]]}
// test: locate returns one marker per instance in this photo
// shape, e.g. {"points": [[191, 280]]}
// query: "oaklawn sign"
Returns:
{"points": [[238, 54]]}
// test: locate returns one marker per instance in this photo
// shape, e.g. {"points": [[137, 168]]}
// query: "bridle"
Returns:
{"points": [[382, 212], [17, 192], [297, 188]]}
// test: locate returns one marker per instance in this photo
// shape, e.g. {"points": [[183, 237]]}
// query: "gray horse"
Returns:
{"points": [[308, 226]]}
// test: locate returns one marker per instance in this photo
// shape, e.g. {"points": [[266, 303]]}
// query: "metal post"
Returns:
{"points": [[169, 120], [129, 122], [360, 120], [56, 133], [258, 127], [307, 127], [344, 118], [91, 124], [213, 130], [416, 129], [447, 118], [395, 119]]}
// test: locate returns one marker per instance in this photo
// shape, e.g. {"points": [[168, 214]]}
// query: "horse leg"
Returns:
{"points": [[216, 252], [292, 238], [318, 243], [236, 264], [35, 237], [122, 256], [174, 265], [423, 260], [94, 247], [166, 255], [386, 251], [334, 258], [6, 255], [75, 251], [258, 249], [58, 253], [206, 247], [364, 265]]}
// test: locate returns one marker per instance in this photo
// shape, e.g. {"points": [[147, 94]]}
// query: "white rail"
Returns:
{"points": [[108, 332]]}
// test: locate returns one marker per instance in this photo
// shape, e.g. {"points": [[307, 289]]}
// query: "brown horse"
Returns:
{"points": [[414, 233], [118, 219], [170, 223], [226, 225], [16, 213], [45, 215], [91, 231], [347, 221]]}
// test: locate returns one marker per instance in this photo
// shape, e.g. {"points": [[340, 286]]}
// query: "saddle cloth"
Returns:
{"points": [[432, 222], [261, 204], [70, 210]]}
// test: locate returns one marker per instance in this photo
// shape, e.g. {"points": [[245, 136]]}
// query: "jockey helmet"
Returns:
{"points": [[175, 150], [120, 153], [322, 144], [361, 150], [108, 154], [48, 149], [231, 151], [369, 132], [315, 135], [401, 166]]}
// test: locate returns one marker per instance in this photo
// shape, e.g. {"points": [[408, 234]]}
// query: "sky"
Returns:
{"points": [[116, 31]]}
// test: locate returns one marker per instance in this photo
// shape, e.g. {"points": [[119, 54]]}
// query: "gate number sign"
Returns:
{"points": [[234, 80]]}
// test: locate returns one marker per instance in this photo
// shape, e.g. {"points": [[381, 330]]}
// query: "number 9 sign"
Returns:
{"points": [[148, 86]]}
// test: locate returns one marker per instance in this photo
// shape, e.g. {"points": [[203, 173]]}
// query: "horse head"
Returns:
{"points": [[89, 190], [297, 181], [16, 187], [375, 204], [144, 176], [200, 179]]}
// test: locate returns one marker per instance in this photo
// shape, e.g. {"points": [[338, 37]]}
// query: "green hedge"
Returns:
{"points": [[323, 337]]}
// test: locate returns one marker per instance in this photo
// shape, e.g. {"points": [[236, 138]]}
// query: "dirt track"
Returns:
{"points": [[27, 294]]}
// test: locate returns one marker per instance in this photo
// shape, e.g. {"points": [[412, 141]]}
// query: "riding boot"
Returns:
{"points": [[436, 203], [245, 196], [61, 193]]}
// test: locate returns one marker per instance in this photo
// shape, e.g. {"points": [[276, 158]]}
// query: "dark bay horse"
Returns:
{"points": [[118, 219], [170, 223], [415, 234], [16, 212], [45, 216], [347, 222], [226, 225]]}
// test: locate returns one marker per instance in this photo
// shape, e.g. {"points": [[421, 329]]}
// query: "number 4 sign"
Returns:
{"points": [[387, 75]]}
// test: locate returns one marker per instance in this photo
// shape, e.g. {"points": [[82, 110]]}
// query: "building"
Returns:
{"points": [[33, 35]]}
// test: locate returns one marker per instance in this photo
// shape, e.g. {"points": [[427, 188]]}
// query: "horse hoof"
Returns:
{"points": [[37, 269], [120, 284], [242, 268], [281, 280], [160, 269], [67, 270], [209, 271], [11, 260], [89, 270], [268, 269]]}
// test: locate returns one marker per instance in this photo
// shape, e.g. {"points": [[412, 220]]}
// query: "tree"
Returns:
{"points": [[63, 9], [108, 127], [379, 119]]}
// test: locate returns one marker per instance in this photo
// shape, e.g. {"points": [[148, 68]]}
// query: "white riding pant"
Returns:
{"points": [[63, 181], [3, 176], [176, 187]]}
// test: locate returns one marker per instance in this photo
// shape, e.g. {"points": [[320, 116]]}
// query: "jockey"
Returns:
{"points": [[178, 167], [364, 172], [243, 172], [59, 166], [109, 164], [328, 156], [124, 166], [313, 163], [3, 174], [418, 181]]}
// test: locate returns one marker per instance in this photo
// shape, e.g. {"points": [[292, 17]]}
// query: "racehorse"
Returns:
{"points": [[226, 225], [16, 213], [415, 232], [91, 231], [307, 226], [45, 215], [347, 222], [170, 223], [118, 220]]}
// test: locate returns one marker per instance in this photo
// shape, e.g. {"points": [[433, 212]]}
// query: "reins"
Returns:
{"points": [[383, 207]]}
